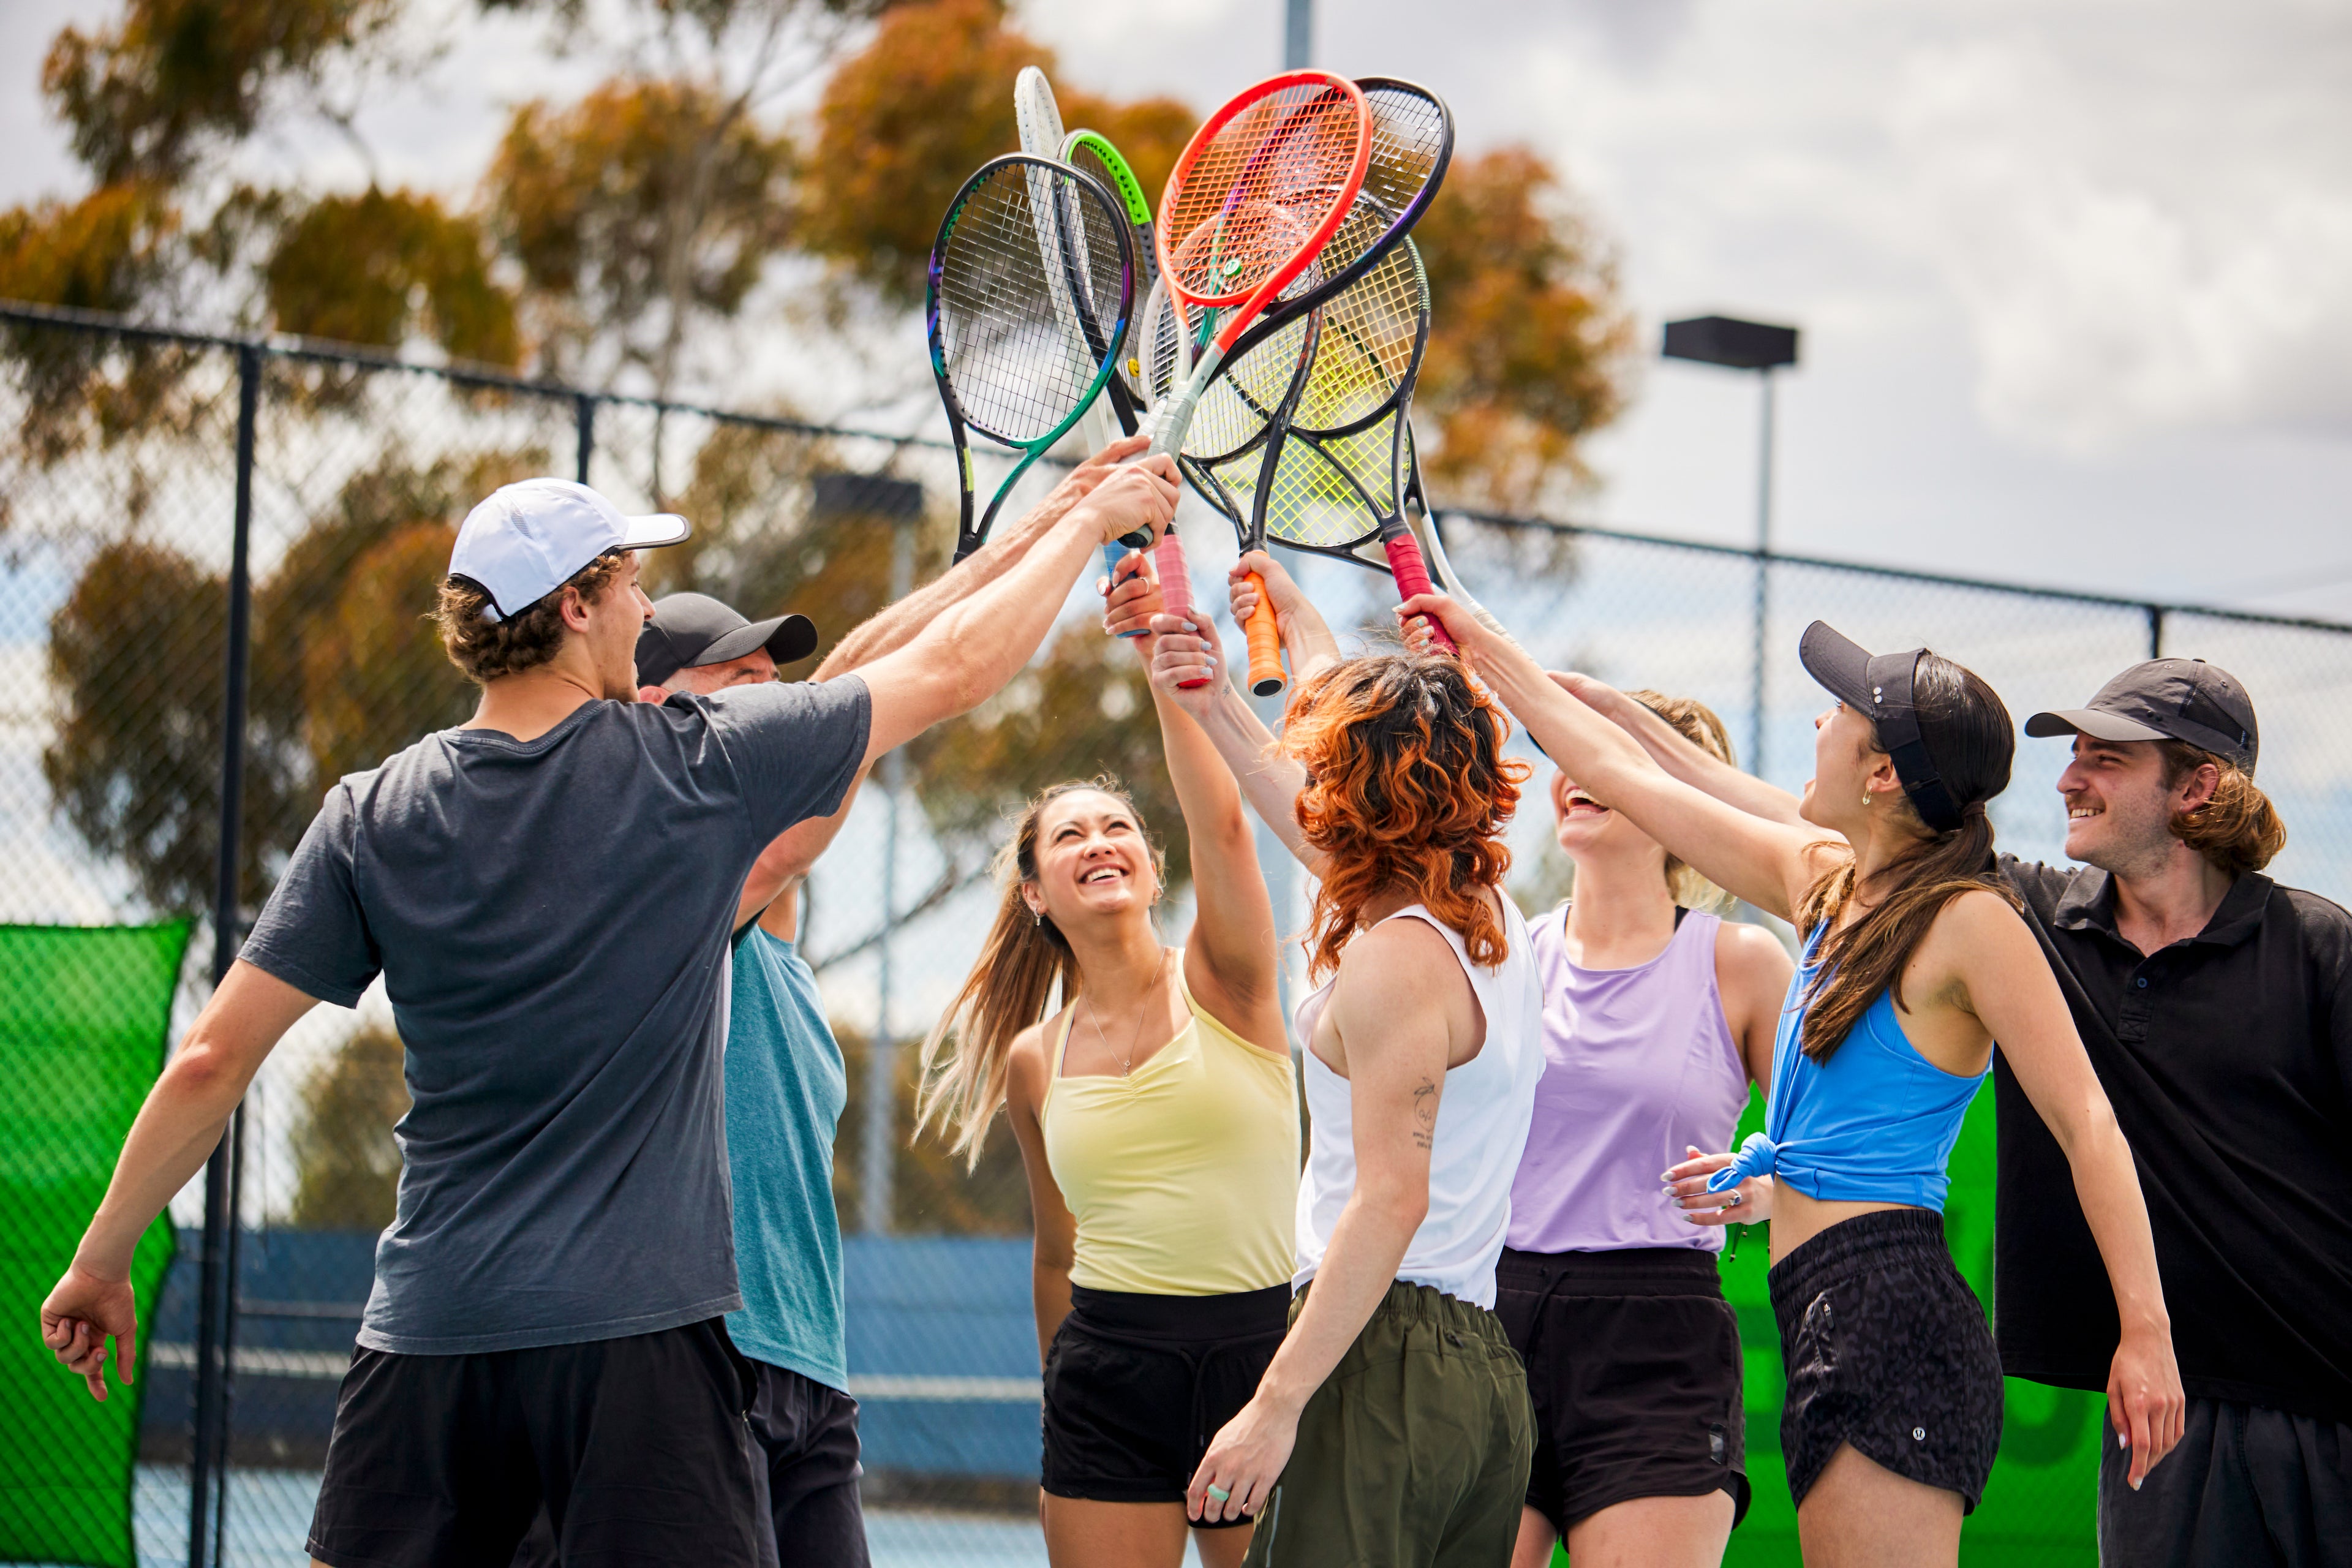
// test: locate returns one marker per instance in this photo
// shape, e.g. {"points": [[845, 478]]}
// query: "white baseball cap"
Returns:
{"points": [[529, 539]]}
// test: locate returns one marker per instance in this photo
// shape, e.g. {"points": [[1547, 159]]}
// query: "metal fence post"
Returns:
{"points": [[583, 420], [216, 1284], [2156, 631], [1763, 583], [879, 1147]]}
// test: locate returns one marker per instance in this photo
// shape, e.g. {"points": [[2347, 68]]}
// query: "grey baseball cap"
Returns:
{"points": [[689, 630], [2166, 699]]}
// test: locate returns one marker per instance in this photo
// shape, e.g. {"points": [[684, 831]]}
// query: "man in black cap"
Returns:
{"points": [[786, 1085], [2217, 1009]]}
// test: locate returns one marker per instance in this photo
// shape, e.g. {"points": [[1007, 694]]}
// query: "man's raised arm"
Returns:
{"points": [[967, 652]]}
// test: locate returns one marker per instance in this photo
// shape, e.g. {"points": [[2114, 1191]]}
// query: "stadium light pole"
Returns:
{"points": [[1298, 34], [1745, 345]]}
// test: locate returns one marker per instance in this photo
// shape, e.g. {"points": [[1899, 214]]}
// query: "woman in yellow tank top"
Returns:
{"points": [[1157, 1115]]}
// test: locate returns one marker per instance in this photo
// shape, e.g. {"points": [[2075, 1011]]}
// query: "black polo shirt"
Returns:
{"points": [[2228, 1058]]}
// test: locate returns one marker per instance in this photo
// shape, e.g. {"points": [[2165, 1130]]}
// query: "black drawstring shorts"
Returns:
{"points": [[1137, 1386], [1887, 1349]]}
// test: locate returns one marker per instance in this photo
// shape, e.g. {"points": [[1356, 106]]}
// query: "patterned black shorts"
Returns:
{"points": [[1887, 1349]]}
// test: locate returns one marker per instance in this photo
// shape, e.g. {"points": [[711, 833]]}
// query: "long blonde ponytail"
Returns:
{"points": [[1025, 960]]}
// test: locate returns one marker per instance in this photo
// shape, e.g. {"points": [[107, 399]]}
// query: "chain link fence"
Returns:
{"points": [[155, 471]]}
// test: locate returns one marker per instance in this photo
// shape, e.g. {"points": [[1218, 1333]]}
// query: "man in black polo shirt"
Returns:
{"points": [[2217, 1008]]}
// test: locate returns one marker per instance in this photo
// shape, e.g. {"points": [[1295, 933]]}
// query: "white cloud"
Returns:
{"points": [[2125, 272]]}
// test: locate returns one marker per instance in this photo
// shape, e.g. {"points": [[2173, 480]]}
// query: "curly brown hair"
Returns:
{"points": [[486, 649], [1407, 789]]}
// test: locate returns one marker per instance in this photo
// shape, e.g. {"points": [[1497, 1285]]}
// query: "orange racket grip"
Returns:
{"points": [[1413, 580], [1265, 676], [1175, 586]]}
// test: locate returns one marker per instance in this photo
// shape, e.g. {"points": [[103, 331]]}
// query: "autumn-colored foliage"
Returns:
{"points": [[373, 267], [906, 121], [144, 97], [346, 1164], [1528, 339], [645, 196]]}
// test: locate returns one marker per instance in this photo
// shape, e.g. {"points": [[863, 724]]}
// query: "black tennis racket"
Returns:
{"points": [[1011, 291]]}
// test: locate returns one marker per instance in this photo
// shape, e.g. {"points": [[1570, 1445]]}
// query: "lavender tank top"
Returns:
{"points": [[1638, 1064]]}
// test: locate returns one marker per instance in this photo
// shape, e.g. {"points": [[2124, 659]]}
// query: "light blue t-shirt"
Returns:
{"points": [[785, 1088]]}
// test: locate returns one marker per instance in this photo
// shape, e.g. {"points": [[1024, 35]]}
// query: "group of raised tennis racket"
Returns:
{"points": [[1284, 314]]}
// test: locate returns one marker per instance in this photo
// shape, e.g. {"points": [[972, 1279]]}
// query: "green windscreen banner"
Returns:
{"points": [[2038, 1509], [85, 1016]]}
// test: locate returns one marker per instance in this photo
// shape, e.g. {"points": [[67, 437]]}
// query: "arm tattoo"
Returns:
{"points": [[1424, 1113]]}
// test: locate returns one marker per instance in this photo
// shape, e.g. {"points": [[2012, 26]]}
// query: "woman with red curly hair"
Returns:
{"points": [[1393, 1426]]}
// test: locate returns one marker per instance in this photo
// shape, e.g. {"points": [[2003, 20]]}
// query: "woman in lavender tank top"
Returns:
{"points": [[1657, 1015]]}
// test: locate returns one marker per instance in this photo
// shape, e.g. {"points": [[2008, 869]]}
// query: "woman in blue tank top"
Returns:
{"points": [[1915, 963]]}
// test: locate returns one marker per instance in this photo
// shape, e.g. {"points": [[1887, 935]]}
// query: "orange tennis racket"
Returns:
{"points": [[1254, 196]]}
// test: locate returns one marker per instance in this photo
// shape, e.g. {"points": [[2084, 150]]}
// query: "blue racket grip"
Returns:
{"points": [[1112, 555]]}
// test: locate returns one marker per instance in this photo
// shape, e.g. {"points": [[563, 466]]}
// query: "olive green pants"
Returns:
{"points": [[1414, 1452]]}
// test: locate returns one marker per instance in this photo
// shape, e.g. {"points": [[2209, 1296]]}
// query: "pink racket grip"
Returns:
{"points": [[1412, 579], [1175, 586]]}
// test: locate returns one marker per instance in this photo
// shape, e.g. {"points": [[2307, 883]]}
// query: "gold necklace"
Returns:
{"points": [[1093, 1017]]}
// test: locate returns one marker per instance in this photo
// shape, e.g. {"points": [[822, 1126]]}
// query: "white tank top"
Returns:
{"points": [[1481, 1128]]}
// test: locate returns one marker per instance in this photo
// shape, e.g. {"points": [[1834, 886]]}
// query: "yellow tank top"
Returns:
{"points": [[1183, 1176]]}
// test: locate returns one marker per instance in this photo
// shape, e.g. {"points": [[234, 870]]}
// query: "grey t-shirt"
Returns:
{"points": [[550, 918]]}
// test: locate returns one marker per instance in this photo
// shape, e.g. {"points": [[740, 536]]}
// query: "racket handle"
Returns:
{"points": [[1265, 676], [1412, 579], [1175, 586]]}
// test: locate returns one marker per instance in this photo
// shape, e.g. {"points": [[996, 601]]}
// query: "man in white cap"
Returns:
{"points": [[547, 891]]}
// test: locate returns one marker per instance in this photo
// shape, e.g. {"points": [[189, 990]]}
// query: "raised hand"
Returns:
{"points": [[1183, 651], [1130, 601], [1135, 498], [1081, 481]]}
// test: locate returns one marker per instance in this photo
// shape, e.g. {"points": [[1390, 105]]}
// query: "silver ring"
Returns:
{"points": [[1736, 1199]]}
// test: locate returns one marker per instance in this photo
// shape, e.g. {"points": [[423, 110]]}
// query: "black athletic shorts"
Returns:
{"points": [[1887, 1349], [638, 1447], [1634, 1366], [1137, 1386]]}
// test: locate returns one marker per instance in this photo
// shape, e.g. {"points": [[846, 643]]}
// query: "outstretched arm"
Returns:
{"points": [[796, 849], [1390, 1009], [1673, 751], [176, 1131], [1232, 959], [2011, 992], [891, 628], [971, 649], [1269, 780], [1768, 863]]}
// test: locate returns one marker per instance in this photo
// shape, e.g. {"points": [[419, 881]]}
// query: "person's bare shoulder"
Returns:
{"points": [[1027, 1063], [1750, 956]]}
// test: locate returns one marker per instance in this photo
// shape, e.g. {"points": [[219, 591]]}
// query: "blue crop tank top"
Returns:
{"points": [[1875, 1123]]}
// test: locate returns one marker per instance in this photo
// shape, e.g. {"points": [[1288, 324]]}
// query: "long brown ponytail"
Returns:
{"points": [[1023, 961], [1968, 733]]}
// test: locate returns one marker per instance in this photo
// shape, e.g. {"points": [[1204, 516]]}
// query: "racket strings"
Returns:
{"points": [[1233, 412], [1370, 347], [1016, 323], [1258, 189]]}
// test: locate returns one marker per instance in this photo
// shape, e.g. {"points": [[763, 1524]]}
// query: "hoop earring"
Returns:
{"points": [[1865, 798], [1036, 917]]}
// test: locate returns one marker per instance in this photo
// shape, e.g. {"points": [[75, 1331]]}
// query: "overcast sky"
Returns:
{"points": [[2074, 276]]}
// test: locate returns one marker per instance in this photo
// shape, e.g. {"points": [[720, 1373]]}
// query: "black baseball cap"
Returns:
{"points": [[689, 630], [1878, 687], [2166, 699]]}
